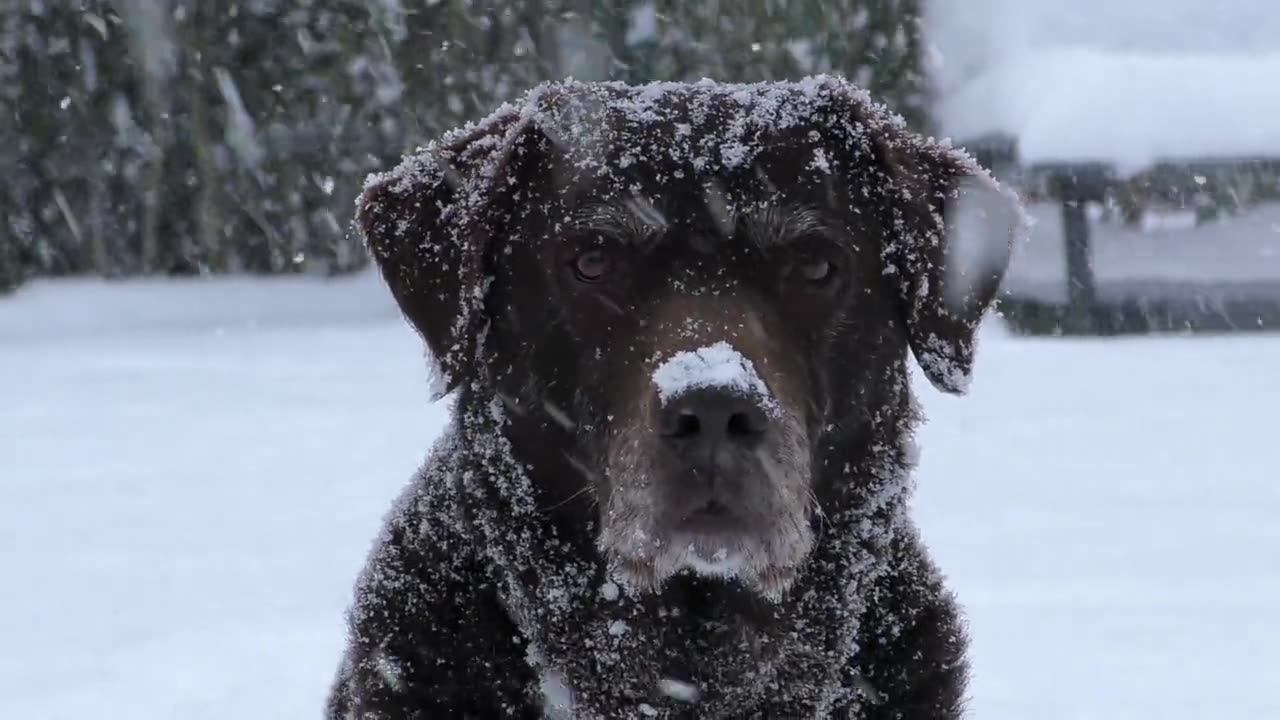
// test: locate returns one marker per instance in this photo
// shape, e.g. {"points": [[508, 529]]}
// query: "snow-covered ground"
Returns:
{"points": [[191, 473]]}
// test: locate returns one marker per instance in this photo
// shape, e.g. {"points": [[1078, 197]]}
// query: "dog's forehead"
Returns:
{"points": [[707, 161], [673, 135]]}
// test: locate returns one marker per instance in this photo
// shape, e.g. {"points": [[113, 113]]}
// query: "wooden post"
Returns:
{"points": [[1081, 291], [1075, 186]]}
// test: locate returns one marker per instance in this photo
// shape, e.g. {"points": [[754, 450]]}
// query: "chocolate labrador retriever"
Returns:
{"points": [[676, 320]]}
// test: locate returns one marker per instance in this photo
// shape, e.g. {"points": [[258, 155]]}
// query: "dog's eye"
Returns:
{"points": [[816, 271], [592, 265]]}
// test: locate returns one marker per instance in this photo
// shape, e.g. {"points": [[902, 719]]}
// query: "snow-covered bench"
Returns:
{"points": [[1147, 138]]}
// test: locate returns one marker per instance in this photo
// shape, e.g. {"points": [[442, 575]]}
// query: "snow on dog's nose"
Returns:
{"points": [[718, 366]]}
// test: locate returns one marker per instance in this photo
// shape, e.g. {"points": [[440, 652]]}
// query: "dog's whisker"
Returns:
{"points": [[823, 521], [609, 303], [816, 505], [584, 489]]}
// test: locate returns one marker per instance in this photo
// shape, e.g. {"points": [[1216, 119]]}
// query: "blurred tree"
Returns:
{"points": [[875, 43], [65, 79], [190, 136], [464, 57], [283, 108], [195, 136]]}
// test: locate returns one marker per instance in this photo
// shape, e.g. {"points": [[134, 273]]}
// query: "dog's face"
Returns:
{"points": [[706, 352], [702, 316], [696, 334]]}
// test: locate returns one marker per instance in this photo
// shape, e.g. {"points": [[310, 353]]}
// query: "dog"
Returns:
{"points": [[675, 321]]}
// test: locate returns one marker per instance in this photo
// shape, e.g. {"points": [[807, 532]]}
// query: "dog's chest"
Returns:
{"points": [[692, 670]]}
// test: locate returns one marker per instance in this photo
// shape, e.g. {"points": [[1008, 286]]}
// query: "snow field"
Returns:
{"points": [[192, 472]]}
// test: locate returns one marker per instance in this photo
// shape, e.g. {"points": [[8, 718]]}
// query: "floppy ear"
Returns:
{"points": [[426, 226], [950, 239]]}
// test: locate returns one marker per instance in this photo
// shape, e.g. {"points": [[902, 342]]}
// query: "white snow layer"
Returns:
{"points": [[184, 506], [718, 365], [678, 689], [557, 698], [1080, 104], [722, 563], [1130, 83]]}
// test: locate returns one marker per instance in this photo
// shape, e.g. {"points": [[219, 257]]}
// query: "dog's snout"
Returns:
{"points": [[713, 417]]}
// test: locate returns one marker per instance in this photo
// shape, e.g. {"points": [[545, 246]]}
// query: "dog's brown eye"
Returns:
{"points": [[592, 265], [815, 271]]}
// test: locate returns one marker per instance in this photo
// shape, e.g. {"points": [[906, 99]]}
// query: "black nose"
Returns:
{"points": [[705, 419]]}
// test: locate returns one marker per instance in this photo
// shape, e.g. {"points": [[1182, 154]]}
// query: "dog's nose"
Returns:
{"points": [[706, 419]]}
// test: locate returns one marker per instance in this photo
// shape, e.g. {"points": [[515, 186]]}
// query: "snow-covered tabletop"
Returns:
{"points": [[1128, 84]]}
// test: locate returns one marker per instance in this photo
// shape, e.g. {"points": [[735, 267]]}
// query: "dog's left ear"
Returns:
{"points": [[950, 237]]}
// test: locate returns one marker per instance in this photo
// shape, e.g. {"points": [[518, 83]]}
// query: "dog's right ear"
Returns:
{"points": [[425, 227]]}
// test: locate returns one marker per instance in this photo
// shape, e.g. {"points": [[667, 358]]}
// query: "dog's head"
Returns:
{"points": [[693, 290]]}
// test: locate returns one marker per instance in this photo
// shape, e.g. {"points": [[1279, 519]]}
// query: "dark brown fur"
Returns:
{"points": [[500, 561]]}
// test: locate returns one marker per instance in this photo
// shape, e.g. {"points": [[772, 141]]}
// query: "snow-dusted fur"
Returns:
{"points": [[489, 595]]}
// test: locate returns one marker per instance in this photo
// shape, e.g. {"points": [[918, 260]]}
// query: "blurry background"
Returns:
{"points": [[209, 136], [192, 468]]}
